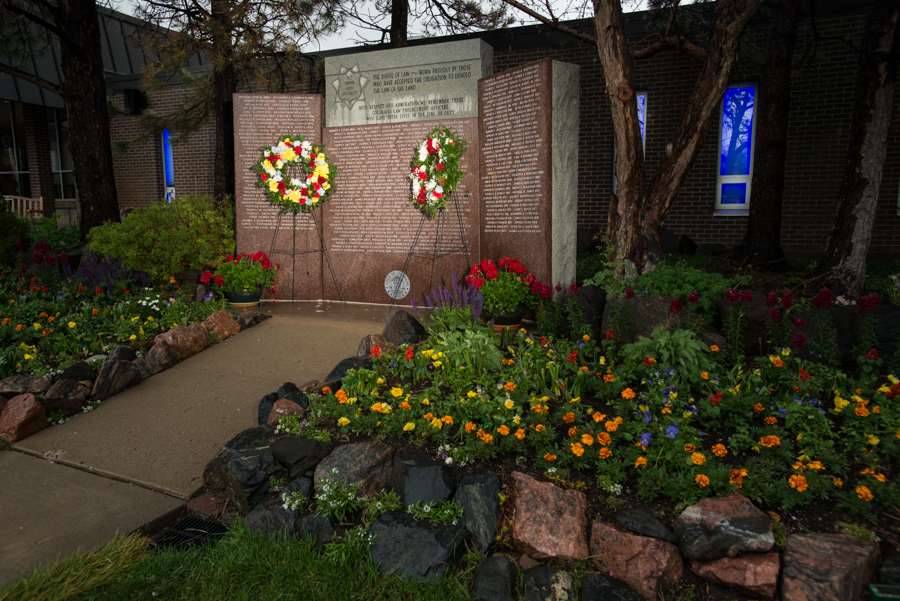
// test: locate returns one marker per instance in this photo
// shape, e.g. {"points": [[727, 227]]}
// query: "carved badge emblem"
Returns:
{"points": [[350, 86]]}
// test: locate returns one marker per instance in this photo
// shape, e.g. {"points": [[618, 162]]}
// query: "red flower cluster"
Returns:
{"points": [[774, 313], [693, 298], [675, 306], [629, 292], [734, 296], [867, 303], [714, 399], [43, 255], [798, 339], [804, 375], [823, 299], [873, 354], [893, 392], [572, 357]]}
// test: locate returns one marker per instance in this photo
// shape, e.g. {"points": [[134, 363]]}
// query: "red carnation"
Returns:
{"points": [[263, 176]]}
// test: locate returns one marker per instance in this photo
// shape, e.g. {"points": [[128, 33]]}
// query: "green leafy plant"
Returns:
{"points": [[58, 417], [276, 484], [295, 501], [166, 238], [337, 499], [292, 425], [447, 512], [681, 350], [386, 500], [242, 273]]}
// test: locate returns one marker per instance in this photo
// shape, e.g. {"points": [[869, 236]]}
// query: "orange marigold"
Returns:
{"points": [[487, 439], [640, 461], [469, 427], [510, 386], [577, 449], [698, 458], [602, 416], [404, 405], [587, 439], [864, 493], [758, 408], [611, 426], [604, 438], [520, 433], [573, 431], [719, 450], [628, 394], [736, 476], [540, 428], [569, 417], [504, 430], [549, 457], [799, 482], [770, 441], [605, 453], [777, 362], [326, 390], [771, 420], [690, 448], [862, 411], [702, 480], [609, 378]]}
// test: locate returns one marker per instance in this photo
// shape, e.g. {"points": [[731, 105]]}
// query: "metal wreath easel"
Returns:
{"points": [[293, 252], [437, 253]]}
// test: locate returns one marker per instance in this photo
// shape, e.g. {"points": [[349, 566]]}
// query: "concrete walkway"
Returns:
{"points": [[138, 456]]}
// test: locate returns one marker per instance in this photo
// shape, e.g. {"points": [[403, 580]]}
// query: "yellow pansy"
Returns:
{"points": [[509, 404], [343, 421], [840, 403], [409, 427], [397, 392], [873, 440], [72, 324]]}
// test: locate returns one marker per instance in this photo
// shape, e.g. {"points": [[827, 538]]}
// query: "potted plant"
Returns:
{"points": [[507, 288], [242, 277]]}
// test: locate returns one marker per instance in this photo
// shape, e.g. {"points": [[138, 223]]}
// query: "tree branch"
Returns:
{"points": [[51, 27], [31, 78], [587, 39], [671, 42]]}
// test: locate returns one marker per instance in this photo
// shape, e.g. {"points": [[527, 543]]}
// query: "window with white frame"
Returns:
{"points": [[736, 148], [642, 119]]}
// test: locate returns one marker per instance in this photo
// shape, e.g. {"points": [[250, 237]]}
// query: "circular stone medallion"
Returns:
{"points": [[396, 284]]}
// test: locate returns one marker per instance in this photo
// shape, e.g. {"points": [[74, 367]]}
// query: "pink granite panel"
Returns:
{"points": [[259, 120], [515, 129], [370, 224]]}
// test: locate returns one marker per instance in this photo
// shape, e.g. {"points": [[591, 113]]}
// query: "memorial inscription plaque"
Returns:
{"points": [[436, 82], [259, 119], [524, 214], [371, 225]]}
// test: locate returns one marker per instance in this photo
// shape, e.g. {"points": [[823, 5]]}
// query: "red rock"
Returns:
{"points": [[716, 528], [22, 417], [66, 395], [222, 325], [282, 408], [18, 384], [648, 565], [754, 576], [3, 401], [828, 567], [186, 341], [548, 522]]}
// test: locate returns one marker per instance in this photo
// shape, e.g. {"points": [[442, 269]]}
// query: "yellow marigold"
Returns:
{"points": [[469, 427], [609, 378], [605, 453], [549, 457], [598, 417], [758, 408], [799, 482], [611, 426], [397, 392], [520, 433], [504, 430], [816, 465], [573, 431], [604, 438], [343, 421], [698, 458], [577, 449], [587, 439], [569, 417], [702, 480], [714, 348], [628, 394], [864, 493], [409, 427], [640, 461], [862, 411], [770, 441], [719, 450], [510, 386], [771, 420]]}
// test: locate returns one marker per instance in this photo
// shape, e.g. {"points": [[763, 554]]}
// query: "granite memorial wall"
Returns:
{"points": [[518, 197]]}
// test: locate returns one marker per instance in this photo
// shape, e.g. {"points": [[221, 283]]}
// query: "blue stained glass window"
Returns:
{"points": [[734, 194], [168, 163], [737, 131], [642, 112]]}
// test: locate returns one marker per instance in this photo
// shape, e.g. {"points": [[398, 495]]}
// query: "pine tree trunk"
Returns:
{"points": [[224, 87], [851, 232], [762, 240], [84, 92], [399, 22]]}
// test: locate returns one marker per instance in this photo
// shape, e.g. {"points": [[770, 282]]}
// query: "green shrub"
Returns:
{"points": [[166, 238], [671, 278], [12, 228]]}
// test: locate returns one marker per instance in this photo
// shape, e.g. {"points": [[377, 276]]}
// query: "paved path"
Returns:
{"points": [[141, 453]]}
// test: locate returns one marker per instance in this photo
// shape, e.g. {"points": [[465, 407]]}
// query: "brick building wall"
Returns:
{"points": [[822, 100], [37, 144]]}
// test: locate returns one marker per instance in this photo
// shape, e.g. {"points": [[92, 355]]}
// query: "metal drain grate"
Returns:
{"points": [[188, 532]]}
